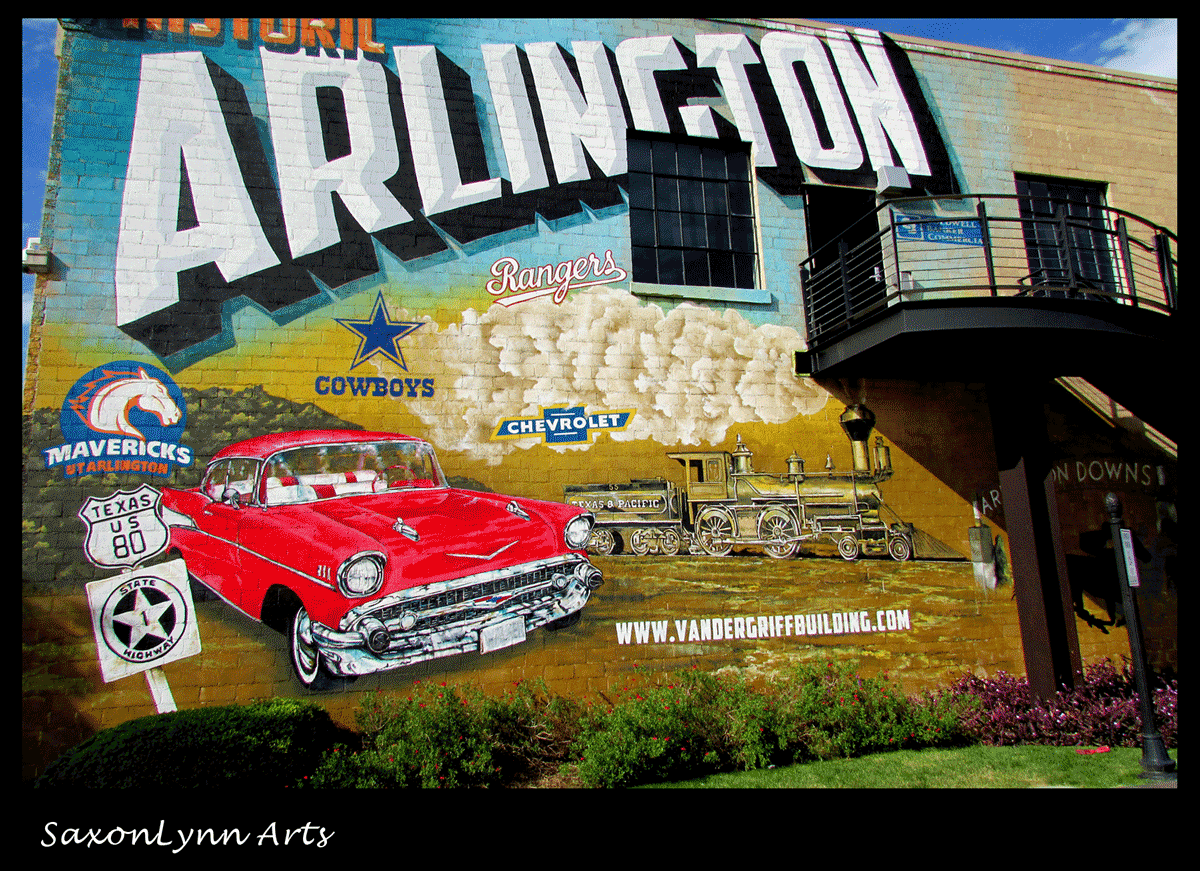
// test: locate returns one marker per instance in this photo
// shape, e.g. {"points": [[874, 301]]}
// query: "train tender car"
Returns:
{"points": [[722, 503]]}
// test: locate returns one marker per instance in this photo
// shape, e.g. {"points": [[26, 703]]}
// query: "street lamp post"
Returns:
{"points": [[1156, 764]]}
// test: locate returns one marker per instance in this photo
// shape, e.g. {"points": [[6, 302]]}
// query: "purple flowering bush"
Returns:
{"points": [[1103, 708]]}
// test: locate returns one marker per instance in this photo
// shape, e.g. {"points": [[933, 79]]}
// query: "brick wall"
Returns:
{"points": [[269, 345]]}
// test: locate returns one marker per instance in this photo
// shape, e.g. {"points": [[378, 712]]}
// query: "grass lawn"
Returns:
{"points": [[968, 767]]}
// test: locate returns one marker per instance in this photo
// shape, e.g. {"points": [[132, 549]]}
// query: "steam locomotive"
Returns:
{"points": [[723, 503]]}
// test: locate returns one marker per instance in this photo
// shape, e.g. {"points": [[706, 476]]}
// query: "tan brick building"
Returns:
{"points": [[584, 260]]}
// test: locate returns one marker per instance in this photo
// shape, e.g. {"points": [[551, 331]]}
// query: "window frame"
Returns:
{"points": [[648, 220], [1094, 263]]}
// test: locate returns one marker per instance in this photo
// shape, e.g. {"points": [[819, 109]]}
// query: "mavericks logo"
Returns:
{"points": [[124, 417]]}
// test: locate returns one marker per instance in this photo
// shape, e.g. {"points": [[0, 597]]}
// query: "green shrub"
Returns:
{"points": [[436, 736], [695, 723], [686, 725], [264, 744], [532, 730], [432, 737], [827, 711]]}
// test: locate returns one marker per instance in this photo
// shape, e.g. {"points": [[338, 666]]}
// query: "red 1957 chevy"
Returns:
{"points": [[353, 544]]}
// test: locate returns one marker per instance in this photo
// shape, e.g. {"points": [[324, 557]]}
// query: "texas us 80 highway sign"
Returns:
{"points": [[124, 528]]}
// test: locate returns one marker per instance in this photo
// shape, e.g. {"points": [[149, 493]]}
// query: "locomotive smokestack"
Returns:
{"points": [[858, 421], [741, 458]]}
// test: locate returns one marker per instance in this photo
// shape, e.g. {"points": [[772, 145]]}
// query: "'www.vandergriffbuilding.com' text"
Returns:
{"points": [[762, 626]]}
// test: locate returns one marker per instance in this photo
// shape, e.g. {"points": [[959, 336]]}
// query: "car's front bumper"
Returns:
{"points": [[481, 612]]}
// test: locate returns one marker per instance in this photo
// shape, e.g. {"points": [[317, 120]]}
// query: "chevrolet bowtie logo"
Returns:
{"points": [[484, 557], [563, 425]]}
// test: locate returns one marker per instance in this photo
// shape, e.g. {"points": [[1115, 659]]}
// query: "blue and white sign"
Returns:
{"points": [[563, 426], [965, 231]]}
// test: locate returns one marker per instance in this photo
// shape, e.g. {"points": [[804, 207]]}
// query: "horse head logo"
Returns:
{"points": [[105, 403]]}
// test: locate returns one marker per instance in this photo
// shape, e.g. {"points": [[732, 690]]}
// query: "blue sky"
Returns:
{"points": [[1140, 45]]}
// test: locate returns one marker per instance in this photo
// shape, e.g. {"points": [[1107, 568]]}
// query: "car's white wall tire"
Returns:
{"points": [[304, 655]]}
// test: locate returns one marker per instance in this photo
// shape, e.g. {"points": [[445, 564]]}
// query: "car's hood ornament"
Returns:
{"points": [[484, 556], [404, 529]]}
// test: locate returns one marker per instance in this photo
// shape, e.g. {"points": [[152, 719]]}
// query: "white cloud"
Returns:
{"points": [[690, 373], [1144, 45]]}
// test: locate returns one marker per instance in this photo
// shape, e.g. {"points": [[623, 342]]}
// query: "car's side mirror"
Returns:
{"points": [[232, 498]]}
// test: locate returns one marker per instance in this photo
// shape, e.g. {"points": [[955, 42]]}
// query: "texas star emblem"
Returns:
{"points": [[379, 334], [143, 619]]}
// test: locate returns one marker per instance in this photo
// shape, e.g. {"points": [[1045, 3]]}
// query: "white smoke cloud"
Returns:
{"points": [[690, 374]]}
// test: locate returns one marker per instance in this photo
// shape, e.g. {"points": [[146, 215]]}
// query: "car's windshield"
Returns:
{"points": [[328, 471]]}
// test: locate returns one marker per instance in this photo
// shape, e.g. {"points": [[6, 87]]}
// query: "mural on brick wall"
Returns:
{"points": [[722, 503], [348, 155], [354, 545], [330, 288]]}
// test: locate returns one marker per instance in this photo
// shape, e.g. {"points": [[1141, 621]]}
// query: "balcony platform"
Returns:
{"points": [[992, 335], [1079, 291]]}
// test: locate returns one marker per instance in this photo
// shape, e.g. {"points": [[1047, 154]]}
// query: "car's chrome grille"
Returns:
{"points": [[440, 608], [432, 621]]}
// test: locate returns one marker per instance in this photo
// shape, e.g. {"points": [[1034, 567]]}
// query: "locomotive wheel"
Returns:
{"points": [[777, 523], [640, 541], [714, 528], [900, 548], [603, 541], [669, 543], [848, 548]]}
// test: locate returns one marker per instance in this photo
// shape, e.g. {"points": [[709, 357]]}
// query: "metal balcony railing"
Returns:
{"points": [[937, 248]]}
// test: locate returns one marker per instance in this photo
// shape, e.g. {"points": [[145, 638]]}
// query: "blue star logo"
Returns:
{"points": [[379, 334]]}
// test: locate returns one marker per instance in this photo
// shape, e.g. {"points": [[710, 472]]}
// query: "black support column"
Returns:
{"points": [[1042, 589]]}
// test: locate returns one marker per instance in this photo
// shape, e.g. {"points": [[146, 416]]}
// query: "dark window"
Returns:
{"points": [[691, 215], [1067, 237]]}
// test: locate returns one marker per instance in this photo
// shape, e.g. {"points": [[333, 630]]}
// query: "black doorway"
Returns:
{"points": [[840, 220]]}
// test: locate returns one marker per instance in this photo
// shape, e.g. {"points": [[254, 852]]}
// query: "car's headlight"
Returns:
{"points": [[578, 530], [362, 574]]}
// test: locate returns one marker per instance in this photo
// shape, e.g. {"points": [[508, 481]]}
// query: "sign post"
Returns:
{"points": [[156, 679], [1156, 764], [142, 618]]}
